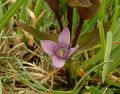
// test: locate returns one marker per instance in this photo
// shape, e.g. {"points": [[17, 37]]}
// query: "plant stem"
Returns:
{"points": [[57, 14], [70, 80], [54, 5], [77, 33], [69, 17]]}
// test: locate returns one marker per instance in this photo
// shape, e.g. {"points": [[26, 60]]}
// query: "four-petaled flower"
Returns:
{"points": [[60, 51]]}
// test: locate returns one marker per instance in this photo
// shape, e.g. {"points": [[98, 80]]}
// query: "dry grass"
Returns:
{"points": [[36, 63]]}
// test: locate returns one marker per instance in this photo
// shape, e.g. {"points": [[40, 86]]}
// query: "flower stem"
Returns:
{"points": [[70, 80], [57, 14], [77, 33], [54, 5], [69, 17]]}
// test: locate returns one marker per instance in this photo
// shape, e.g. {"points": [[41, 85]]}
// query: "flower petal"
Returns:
{"points": [[48, 46], [58, 62], [73, 50], [64, 37]]}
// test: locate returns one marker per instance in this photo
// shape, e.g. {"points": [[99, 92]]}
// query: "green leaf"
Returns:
{"points": [[102, 35], [73, 69], [93, 90], [38, 7], [23, 15], [0, 87], [77, 86], [107, 55], [113, 82], [90, 39], [116, 14], [115, 56], [88, 42], [1, 9]]}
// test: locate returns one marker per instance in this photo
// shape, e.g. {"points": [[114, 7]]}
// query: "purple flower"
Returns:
{"points": [[60, 51]]}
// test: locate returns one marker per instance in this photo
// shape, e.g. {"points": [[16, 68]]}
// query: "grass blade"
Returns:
{"points": [[76, 88], [93, 90], [107, 55], [0, 87], [10, 12]]}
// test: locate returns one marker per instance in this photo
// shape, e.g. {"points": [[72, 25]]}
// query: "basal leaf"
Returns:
{"points": [[36, 34], [91, 39]]}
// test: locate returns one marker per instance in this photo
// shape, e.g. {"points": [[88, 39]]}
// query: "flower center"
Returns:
{"points": [[62, 52]]}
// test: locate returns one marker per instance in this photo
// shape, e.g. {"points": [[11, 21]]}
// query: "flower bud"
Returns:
{"points": [[78, 3], [89, 12]]}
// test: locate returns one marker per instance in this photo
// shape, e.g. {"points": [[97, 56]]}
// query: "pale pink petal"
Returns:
{"points": [[73, 50], [64, 37], [57, 62], [48, 46]]}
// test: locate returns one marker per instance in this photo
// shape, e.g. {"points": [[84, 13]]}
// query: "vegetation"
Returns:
{"points": [[94, 26]]}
